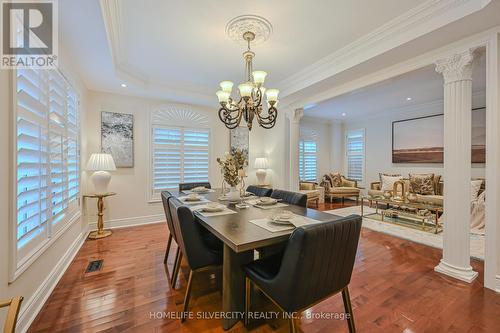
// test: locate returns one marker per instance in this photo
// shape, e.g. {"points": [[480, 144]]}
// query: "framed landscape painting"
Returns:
{"points": [[421, 140], [117, 137]]}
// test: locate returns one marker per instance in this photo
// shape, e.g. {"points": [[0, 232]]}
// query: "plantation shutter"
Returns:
{"points": [[355, 148], [47, 156], [308, 160], [179, 155]]}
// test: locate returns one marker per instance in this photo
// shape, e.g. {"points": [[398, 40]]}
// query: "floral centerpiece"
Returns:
{"points": [[230, 168]]}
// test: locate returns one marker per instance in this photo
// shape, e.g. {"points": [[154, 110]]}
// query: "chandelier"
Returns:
{"points": [[250, 105]]}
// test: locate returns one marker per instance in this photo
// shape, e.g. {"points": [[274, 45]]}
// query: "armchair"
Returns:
{"points": [[338, 186], [312, 190]]}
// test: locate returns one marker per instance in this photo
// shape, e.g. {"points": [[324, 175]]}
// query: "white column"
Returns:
{"points": [[294, 117], [492, 232], [457, 73]]}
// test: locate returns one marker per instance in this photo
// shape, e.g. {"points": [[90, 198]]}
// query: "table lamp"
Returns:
{"points": [[101, 163], [261, 165]]}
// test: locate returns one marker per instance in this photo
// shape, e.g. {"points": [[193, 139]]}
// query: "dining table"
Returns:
{"points": [[240, 238]]}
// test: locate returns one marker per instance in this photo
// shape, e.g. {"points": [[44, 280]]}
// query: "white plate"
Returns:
{"points": [[213, 209], [267, 203], [200, 190]]}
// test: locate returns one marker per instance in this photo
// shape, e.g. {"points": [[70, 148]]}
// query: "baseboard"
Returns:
{"points": [[32, 306], [129, 222], [497, 280]]}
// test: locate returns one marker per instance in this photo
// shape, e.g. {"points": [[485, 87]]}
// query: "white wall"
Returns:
{"points": [[35, 283], [131, 204], [378, 138], [270, 143]]}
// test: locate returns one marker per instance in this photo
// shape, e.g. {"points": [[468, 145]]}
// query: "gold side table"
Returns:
{"points": [[100, 232]]}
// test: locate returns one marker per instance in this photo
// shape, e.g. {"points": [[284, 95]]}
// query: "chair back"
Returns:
{"points": [[190, 186], [292, 198], [14, 305], [190, 236], [318, 262], [165, 196], [260, 191]]}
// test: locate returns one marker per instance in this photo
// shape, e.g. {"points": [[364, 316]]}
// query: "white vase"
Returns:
{"points": [[234, 194]]}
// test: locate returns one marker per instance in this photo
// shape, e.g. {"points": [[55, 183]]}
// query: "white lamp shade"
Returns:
{"points": [[226, 86], [261, 163], [223, 96], [272, 95], [259, 77], [245, 89], [101, 162]]}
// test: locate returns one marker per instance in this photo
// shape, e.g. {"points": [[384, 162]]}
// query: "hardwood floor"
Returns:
{"points": [[393, 289]]}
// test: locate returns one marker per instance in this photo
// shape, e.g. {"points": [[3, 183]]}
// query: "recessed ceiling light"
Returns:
{"points": [[344, 114], [408, 98], [124, 85]]}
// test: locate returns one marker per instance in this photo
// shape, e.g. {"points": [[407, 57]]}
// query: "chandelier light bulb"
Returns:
{"points": [[223, 96], [272, 95], [259, 77], [226, 86], [246, 89]]}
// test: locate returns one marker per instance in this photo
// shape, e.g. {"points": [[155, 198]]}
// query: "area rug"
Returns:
{"points": [[414, 235]]}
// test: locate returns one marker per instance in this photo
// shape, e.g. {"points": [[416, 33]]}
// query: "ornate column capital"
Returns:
{"points": [[295, 115], [458, 67]]}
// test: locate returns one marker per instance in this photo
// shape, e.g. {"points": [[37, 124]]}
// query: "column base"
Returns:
{"points": [[464, 274]]}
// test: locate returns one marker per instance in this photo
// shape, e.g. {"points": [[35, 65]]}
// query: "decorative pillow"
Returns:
{"points": [[422, 183], [387, 181], [475, 186], [336, 179], [437, 189]]}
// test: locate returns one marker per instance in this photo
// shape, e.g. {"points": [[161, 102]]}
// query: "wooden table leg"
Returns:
{"points": [[233, 288]]}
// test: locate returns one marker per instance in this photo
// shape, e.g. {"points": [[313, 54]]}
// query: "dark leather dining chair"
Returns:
{"points": [[200, 252], [190, 186], [165, 197], [292, 198], [260, 191], [317, 263]]}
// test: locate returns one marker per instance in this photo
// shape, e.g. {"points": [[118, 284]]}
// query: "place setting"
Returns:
{"points": [[193, 199], [282, 221], [199, 190], [211, 209], [267, 203]]}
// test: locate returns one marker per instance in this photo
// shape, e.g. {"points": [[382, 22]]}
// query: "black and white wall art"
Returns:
{"points": [[117, 137], [239, 138]]}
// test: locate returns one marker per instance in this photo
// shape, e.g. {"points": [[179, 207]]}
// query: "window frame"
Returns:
{"points": [[18, 263], [156, 197], [363, 154]]}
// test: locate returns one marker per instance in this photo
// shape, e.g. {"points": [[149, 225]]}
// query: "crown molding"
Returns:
{"points": [[111, 14], [418, 21]]}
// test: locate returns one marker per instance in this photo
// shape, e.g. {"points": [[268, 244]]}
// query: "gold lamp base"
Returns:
{"points": [[97, 234]]}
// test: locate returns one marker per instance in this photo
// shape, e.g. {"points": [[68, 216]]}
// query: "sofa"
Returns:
{"points": [[338, 186]]}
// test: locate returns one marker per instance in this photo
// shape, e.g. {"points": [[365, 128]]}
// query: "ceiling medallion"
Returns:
{"points": [[251, 102], [259, 26]]}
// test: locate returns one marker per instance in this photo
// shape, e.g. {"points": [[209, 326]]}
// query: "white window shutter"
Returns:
{"points": [[47, 156], [355, 149], [308, 160], [179, 155]]}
